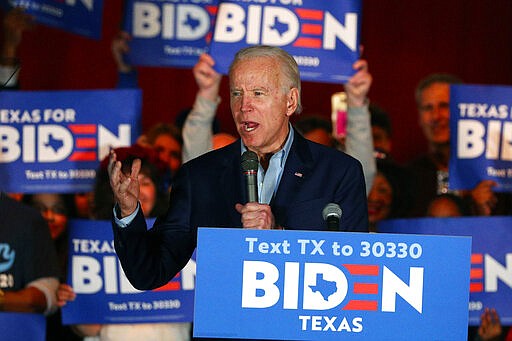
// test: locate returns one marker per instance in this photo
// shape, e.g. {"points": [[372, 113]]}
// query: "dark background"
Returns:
{"points": [[403, 41]]}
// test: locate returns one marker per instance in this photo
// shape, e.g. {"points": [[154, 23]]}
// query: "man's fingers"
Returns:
{"points": [[136, 164]]}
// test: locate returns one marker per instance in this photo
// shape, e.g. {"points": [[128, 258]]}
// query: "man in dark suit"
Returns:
{"points": [[296, 178]]}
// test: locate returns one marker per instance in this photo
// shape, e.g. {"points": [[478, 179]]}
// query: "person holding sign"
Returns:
{"points": [[297, 178], [198, 137], [431, 170]]}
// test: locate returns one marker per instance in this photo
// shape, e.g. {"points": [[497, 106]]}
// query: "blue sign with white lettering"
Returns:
{"points": [[104, 294], [22, 326], [322, 36], [53, 141], [481, 138], [82, 17], [331, 286], [491, 259], [168, 33]]}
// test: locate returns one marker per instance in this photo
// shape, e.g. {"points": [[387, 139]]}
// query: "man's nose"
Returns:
{"points": [[165, 157], [245, 103]]}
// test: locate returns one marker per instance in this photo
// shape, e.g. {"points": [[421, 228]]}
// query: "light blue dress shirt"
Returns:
{"points": [[269, 181]]}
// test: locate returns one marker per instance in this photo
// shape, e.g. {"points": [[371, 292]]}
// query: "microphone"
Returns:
{"points": [[332, 215], [250, 171]]}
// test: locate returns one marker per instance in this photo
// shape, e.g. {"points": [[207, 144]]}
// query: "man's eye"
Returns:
{"points": [[426, 108], [258, 93], [236, 93]]}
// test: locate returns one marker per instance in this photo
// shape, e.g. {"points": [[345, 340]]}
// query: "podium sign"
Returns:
{"points": [[310, 285], [491, 258]]}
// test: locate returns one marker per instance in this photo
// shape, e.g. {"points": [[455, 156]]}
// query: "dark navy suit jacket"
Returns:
{"points": [[205, 192]]}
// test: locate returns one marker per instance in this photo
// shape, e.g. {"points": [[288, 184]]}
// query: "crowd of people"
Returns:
{"points": [[147, 180]]}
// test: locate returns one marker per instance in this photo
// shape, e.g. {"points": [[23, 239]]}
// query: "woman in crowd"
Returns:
{"points": [[388, 197]]}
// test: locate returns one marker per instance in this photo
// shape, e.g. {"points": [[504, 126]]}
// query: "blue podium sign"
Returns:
{"points": [[310, 285], [491, 258], [104, 294], [22, 326]]}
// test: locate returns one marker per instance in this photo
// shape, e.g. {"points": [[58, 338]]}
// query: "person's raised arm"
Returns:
{"points": [[119, 49], [197, 129], [127, 75], [207, 79], [359, 142], [15, 22]]}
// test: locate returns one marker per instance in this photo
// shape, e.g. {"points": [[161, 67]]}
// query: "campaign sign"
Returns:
{"points": [[53, 141], [311, 285], [481, 136], [322, 36], [104, 294], [491, 259], [82, 17], [168, 32], [22, 326]]}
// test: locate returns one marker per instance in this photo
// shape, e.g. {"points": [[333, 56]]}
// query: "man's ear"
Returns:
{"points": [[292, 101]]}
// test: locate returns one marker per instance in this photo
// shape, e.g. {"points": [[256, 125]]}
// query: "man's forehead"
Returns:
{"points": [[254, 76]]}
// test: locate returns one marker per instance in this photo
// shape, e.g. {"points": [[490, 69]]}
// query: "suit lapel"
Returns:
{"points": [[298, 168], [231, 180]]}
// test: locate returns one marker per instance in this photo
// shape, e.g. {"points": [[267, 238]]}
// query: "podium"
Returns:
{"points": [[311, 285]]}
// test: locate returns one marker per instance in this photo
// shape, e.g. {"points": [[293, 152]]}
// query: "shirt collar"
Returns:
{"points": [[285, 150]]}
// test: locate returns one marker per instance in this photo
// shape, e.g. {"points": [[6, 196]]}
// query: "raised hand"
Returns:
{"points": [[16, 21], [120, 48], [207, 79], [124, 186], [359, 84]]}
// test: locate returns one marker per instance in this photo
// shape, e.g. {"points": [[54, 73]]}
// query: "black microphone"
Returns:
{"points": [[332, 215], [250, 171]]}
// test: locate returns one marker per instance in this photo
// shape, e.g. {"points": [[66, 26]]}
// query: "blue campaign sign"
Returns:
{"points": [[82, 17], [322, 36], [481, 136], [53, 141], [491, 259], [310, 285], [22, 326], [168, 33], [104, 294]]}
